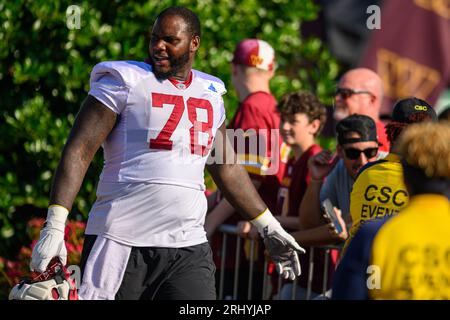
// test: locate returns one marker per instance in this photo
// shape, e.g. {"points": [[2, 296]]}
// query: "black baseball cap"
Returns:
{"points": [[412, 110], [359, 123]]}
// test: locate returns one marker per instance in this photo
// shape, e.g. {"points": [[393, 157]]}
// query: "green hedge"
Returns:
{"points": [[44, 73]]}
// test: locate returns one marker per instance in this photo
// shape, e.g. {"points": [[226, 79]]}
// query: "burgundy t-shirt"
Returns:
{"points": [[259, 111], [295, 181]]}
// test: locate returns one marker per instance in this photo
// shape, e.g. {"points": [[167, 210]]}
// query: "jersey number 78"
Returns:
{"points": [[163, 141]]}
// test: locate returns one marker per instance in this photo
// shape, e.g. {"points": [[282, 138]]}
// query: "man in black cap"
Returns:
{"points": [[357, 145], [379, 189]]}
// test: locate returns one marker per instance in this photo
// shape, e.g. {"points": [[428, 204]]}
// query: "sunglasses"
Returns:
{"points": [[347, 92], [353, 153]]}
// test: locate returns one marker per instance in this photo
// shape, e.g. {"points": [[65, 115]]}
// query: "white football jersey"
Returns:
{"points": [[151, 189], [164, 133]]}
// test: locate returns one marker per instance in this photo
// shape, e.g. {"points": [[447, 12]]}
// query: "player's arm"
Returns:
{"points": [[92, 125], [233, 180], [221, 212], [238, 189]]}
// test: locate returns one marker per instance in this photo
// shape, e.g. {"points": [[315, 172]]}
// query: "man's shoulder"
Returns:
{"points": [[314, 149], [260, 100], [371, 167], [127, 71], [212, 83], [339, 172], [207, 77], [379, 167]]}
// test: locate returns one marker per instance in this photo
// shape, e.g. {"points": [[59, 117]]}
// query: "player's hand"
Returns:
{"points": [[321, 164], [281, 246], [51, 241]]}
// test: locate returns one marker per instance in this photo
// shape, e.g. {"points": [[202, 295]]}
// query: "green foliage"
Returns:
{"points": [[44, 76]]}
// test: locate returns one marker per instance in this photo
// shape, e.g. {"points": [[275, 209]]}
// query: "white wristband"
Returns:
{"points": [[56, 217], [263, 220]]}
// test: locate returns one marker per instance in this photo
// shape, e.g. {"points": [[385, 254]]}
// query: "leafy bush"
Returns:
{"points": [[44, 73]]}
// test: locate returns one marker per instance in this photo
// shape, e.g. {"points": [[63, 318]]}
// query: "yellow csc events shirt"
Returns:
{"points": [[378, 191], [406, 256], [413, 251]]}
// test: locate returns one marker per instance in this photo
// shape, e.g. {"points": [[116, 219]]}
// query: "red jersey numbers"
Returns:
{"points": [[163, 141], [200, 114], [200, 126]]}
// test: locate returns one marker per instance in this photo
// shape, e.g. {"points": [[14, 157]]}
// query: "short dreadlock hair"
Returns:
{"points": [[394, 128]]}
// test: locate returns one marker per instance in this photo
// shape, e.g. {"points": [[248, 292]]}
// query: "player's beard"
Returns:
{"points": [[176, 64]]}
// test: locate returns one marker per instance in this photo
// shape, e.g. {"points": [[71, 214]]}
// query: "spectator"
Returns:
{"points": [[360, 91], [379, 189], [302, 119], [406, 256], [252, 67], [357, 146]]}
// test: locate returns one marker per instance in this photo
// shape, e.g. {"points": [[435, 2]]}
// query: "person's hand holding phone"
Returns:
{"points": [[336, 224]]}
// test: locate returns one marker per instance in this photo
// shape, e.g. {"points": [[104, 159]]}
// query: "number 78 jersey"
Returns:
{"points": [[165, 130]]}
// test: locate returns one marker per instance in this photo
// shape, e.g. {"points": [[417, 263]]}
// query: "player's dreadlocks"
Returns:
{"points": [[188, 16]]}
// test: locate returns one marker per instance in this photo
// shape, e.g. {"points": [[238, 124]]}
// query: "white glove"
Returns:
{"points": [[51, 241], [282, 247]]}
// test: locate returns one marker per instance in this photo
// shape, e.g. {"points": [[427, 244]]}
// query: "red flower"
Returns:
{"points": [[36, 223]]}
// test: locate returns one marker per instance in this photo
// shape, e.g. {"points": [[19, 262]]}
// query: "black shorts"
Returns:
{"points": [[154, 273]]}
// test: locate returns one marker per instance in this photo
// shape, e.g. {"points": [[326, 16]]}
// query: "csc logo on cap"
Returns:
{"points": [[420, 108]]}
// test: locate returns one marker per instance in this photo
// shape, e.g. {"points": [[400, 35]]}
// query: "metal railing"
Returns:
{"points": [[231, 231]]}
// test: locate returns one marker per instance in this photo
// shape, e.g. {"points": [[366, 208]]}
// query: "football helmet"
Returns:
{"points": [[52, 284]]}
